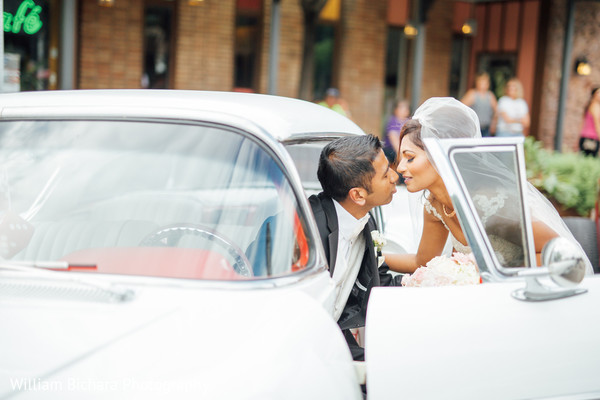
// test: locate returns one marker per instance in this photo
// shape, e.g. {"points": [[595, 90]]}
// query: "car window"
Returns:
{"points": [[490, 177], [141, 198], [306, 158]]}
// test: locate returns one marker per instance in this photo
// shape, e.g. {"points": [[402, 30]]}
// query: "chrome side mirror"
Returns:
{"points": [[564, 262]]}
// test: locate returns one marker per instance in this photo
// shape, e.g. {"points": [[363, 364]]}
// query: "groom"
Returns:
{"points": [[356, 177]]}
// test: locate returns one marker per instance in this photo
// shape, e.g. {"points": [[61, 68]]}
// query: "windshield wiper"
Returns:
{"points": [[44, 269]]}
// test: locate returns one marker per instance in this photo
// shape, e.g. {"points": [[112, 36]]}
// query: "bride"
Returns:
{"points": [[449, 118]]}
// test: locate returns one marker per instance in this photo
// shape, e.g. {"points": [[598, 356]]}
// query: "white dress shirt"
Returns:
{"points": [[350, 252]]}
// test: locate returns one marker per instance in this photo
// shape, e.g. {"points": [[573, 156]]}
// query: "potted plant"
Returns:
{"points": [[569, 180]]}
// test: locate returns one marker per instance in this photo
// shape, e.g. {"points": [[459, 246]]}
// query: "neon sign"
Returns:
{"points": [[30, 23]]}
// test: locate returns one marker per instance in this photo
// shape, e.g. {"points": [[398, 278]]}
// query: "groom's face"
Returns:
{"points": [[383, 183]]}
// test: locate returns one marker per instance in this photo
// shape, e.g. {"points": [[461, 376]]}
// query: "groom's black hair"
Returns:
{"points": [[347, 163]]}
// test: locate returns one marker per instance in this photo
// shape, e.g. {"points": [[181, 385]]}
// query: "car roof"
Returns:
{"points": [[282, 117]]}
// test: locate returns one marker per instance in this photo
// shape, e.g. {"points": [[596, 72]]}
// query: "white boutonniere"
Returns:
{"points": [[378, 243]]}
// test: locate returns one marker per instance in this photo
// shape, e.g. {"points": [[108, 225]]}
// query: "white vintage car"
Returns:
{"points": [[139, 258]]}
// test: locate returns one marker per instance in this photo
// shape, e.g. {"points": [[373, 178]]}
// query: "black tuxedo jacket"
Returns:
{"points": [[355, 310]]}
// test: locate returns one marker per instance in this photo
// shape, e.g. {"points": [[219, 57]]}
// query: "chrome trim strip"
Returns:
{"points": [[242, 284], [525, 202], [308, 137]]}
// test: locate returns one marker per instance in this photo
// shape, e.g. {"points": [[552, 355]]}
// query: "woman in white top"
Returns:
{"points": [[512, 111], [449, 118]]}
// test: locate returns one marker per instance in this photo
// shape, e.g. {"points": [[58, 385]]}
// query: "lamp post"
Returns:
{"points": [[564, 79], [419, 55]]}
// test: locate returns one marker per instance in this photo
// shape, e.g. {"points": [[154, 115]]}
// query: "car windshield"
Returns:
{"points": [[141, 198]]}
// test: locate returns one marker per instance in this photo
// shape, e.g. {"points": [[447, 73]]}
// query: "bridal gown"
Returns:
{"points": [[509, 254]]}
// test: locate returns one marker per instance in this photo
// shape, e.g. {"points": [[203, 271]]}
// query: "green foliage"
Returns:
{"points": [[570, 178]]}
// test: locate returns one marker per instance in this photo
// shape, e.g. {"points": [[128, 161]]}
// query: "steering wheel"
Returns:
{"points": [[170, 235]]}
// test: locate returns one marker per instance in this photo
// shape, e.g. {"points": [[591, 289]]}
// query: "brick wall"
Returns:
{"points": [[362, 60], [110, 51], [586, 41], [205, 46], [438, 45], [111, 45], [111, 54], [361, 51]]}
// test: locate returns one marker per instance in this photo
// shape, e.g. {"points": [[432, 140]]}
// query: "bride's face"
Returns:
{"points": [[414, 166]]}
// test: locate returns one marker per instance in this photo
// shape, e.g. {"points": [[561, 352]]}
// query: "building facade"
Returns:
{"points": [[363, 47]]}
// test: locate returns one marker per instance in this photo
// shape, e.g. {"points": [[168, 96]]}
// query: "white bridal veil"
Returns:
{"points": [[446, 117]]}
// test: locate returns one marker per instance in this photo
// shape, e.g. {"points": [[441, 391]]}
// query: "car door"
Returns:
{"points": [[517, 335]]}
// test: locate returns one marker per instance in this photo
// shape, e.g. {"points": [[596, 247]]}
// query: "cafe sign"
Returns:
{"points": [[26, 19]]}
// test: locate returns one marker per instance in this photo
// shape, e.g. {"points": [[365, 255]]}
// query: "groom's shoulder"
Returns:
{"points": [[316, 200], [321, 205]]}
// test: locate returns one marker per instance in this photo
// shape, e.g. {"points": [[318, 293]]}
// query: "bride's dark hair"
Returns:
{"points": [[412, 128]]}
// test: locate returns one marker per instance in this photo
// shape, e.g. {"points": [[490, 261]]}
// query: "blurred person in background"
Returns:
{"points": [[512, 112], [483, 101], [590, 132], [334, 101], [400, 114]]}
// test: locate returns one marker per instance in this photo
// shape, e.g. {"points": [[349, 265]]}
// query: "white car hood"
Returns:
{"points": [[183, 342]]}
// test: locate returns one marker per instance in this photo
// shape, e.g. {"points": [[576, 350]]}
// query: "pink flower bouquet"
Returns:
{"points": [[460, 269]]}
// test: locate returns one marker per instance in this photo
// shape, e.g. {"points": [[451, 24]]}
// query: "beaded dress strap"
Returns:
{"points": [[455, 242], [431, 210]]}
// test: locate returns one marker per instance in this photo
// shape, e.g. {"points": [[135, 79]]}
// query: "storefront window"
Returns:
{"points": [[501, 67], [325, 48], [27, 45], [248, 26], [459, 65], [158, 22]]}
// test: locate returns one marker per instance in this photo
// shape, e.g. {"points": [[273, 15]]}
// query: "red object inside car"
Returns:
{"points": [[167, 262]]}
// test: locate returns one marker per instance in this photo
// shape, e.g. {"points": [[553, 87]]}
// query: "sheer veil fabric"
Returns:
{"points": [[446, 117]]}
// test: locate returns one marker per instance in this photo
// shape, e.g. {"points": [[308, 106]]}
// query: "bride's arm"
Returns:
{"points": [[433, 239], [432, 244], [404, 263], [541, 235]]}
